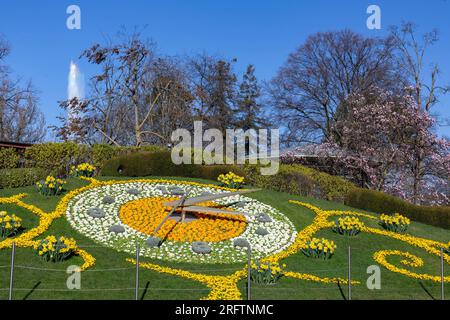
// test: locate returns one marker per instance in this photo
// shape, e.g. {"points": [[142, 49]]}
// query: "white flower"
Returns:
{"points": [[281, 230]]}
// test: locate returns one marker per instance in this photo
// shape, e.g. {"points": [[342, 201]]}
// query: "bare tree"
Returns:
{"points": [[137, 98], [20, 117], [412, 48], [173, 109], [310, 88]]}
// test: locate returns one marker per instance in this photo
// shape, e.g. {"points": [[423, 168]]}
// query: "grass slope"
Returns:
{"points": [[31, 281]]}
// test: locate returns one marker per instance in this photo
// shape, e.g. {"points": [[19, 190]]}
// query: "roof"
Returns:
{"points": [[17, 145]]}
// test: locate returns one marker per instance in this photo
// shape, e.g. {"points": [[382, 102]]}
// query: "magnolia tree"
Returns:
{"points": [[392, 142]]}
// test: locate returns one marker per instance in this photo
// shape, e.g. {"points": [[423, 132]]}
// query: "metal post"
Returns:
{"points": [[11, 277], [349, 273], [249, 269], [136, 297], [442, 274]]}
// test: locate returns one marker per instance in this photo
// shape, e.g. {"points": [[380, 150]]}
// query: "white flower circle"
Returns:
{"points": [[281, 231]]}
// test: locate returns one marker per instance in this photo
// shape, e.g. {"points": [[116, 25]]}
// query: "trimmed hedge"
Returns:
{"points": [[56, 158], [379, 202], [160, 164], [101, 153], [298, 179], [294, 179], [20, 177], [9, 158]]}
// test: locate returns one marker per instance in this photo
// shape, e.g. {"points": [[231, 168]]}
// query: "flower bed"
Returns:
{"points": [[395, 223], [349, 226], [319, 248], [135, 208], [9, 224]]}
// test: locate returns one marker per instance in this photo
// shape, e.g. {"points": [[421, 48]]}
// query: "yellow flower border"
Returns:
{"points": [[430, 246], [225, 287]]}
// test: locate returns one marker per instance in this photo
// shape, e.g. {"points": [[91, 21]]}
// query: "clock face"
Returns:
{"points": [[122, 214]]}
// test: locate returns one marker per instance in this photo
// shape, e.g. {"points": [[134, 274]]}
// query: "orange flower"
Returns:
{"points": [[146, 214]]}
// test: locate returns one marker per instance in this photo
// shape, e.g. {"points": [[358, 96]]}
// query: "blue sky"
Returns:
{"points": [[258, 32]]}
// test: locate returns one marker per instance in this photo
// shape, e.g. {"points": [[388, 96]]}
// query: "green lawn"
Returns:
{"points": [[34, 280]]}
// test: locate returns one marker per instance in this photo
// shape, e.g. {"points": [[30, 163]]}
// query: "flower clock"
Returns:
{"points": [[188, 222], [121, 215]]}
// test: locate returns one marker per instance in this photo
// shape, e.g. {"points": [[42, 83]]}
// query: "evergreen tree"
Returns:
{"points": [[249, 111], [223, 96]]}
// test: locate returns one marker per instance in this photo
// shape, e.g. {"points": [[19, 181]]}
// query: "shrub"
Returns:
{"points": [[51, 186], [294, 179], [57, 158], [379, 202], [55, 249], [286, 180], [160, 164], [9, 158], [145, 164], [297, 179], [20, 177], [100, 153], [212, 172]]}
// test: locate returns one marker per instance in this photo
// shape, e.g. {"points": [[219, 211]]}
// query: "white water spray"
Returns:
{"points": [[75, 85]]}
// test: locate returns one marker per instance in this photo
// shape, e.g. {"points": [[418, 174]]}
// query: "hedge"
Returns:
{"points": [[100, 153], [294, 179], [379, 202], [160, 164], [9, 158], [56, 158], [20, 177], [300, 180]]}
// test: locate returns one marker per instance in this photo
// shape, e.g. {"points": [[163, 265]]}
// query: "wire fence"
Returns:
{"points": [[119, 281]]}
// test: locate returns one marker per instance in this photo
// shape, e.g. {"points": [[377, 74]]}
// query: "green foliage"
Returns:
{"points": [[145, 164], [382, 203], [20, 177], [294, 179], [160, 164], [57, 158], [297, 179], [101, 153], [9, 158], [212, 172]]}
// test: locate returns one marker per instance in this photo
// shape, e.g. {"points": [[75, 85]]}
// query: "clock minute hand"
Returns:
{"points": [[209, 197]]}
